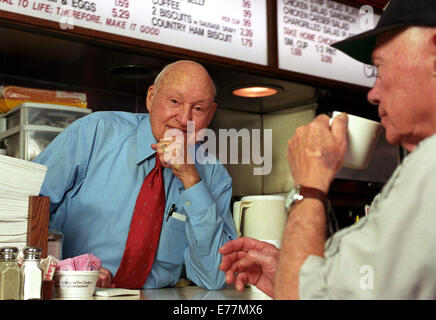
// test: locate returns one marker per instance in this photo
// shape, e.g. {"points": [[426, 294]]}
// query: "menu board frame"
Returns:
{"points": [[307, 28], [239, 33], [51, 28]]}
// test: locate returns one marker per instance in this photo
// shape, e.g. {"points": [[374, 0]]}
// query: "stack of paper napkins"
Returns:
{"points": [[19, 179]]}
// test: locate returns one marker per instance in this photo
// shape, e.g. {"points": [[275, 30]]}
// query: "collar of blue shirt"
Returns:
{"points": [[144, 141]]}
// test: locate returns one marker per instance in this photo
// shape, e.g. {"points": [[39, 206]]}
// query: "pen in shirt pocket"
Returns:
{"points": [[170, 213]]}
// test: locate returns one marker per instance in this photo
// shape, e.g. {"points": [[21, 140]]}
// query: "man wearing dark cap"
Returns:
{"points": [[390, 253]]}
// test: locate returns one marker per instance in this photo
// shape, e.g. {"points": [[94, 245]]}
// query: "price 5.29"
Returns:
{"points": [[120, 13]]}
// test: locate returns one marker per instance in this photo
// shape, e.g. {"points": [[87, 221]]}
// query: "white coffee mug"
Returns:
{"points": [[262, 217], [362, 137]]}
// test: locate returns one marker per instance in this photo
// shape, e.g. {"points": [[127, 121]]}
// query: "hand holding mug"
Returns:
{"points": [[316, 151]]}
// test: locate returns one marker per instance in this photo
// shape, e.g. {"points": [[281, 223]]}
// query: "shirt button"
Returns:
{"points": [[188, 203]]}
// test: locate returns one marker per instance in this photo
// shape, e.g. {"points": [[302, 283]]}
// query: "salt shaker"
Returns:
{"points": [[32, 274], [10, 274]]}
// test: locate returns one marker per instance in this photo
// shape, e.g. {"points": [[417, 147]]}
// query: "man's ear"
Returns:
{"points": [[150, 94]]}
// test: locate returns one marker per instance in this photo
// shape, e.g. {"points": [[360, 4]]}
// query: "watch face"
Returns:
{"points": [[293, 195]]}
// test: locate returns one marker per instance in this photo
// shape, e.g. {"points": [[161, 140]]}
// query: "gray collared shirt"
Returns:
{"points": [[391, 253]]}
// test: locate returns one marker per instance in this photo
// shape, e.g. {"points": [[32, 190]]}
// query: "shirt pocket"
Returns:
{"points": [[172, 242]]}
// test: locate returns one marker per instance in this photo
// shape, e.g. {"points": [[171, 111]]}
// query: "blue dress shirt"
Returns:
{"points": [[96, 167]]}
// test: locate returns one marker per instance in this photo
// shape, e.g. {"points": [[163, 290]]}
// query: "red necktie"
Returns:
{"points": [[144, 232]]}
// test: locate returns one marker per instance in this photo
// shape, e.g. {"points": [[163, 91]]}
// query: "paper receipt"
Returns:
{"points": [[112, 292]]}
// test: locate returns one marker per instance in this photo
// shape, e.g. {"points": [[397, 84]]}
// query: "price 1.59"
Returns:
{"points": [[122, 3]]}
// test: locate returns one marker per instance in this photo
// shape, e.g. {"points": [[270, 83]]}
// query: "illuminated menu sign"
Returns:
{"points": [[307, 28], [234, 29]]}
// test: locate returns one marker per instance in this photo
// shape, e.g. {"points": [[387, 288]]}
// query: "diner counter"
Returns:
{"points": [[185, 293]]}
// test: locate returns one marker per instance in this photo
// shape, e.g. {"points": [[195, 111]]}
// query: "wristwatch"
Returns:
{"points": [[299, 192]]}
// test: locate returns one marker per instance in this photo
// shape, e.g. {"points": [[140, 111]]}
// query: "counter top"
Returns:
{"points": [[186, 293]]}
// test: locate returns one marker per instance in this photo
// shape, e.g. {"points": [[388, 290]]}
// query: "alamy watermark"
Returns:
{"points": [[366, 277], [66, 20], [228, 142], [366, 17]]}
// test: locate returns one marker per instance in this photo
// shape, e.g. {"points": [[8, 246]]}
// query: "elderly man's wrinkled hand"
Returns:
{"points": [[105, 279], [316, 151], [174, 154], [249, 261]]}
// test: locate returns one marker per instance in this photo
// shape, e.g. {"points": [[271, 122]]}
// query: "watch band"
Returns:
{"points": [[332, 223], [299, 192], [309, 192]]}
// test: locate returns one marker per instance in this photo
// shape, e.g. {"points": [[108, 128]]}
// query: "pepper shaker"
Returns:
{"points": [[32, 274], [10, 274]]}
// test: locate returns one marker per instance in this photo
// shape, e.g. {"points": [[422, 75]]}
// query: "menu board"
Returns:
{"points": [[234, 29], [307, 28]]}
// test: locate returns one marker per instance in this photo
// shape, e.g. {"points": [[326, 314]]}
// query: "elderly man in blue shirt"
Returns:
{"points": [[97, 165]]}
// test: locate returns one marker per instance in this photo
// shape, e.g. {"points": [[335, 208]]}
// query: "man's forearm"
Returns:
{"points": [[207, 229], [304, 235]]}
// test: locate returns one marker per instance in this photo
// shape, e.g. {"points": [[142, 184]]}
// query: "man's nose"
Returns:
{"points": [[373, 95], [184, 115]]}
